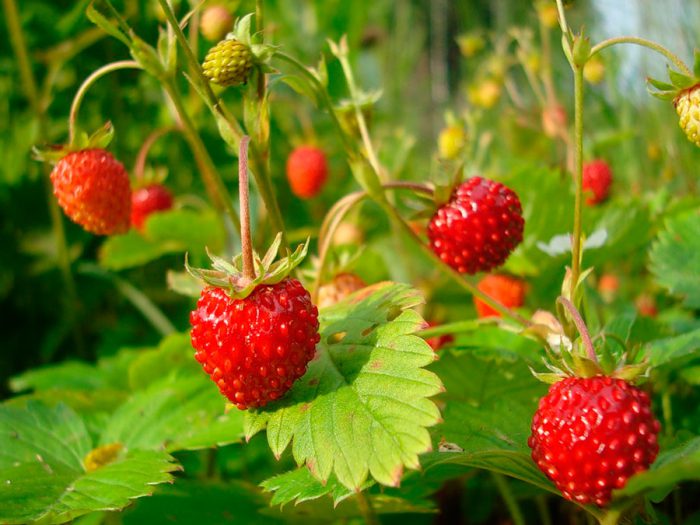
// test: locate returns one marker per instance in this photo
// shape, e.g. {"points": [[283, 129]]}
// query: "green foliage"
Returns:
{"points": [[675, 257], [362, 407]]}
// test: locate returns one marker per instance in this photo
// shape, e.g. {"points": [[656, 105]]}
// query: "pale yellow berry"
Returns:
{"points": [[688, 108]]}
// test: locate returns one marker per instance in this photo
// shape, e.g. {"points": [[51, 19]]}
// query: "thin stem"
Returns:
{"points": [[77, 100], [578, 178], [562, 17], [136, 297], [212, 180], [610, 517], [259, 14], [140, 163], [458, 327], [543, 510], [20, 48], [580, 326], [246, 243], [644, 43], [366, 509], [508, 498]]}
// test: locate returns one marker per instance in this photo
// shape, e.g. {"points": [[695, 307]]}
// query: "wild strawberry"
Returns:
{"points": [[687, 105], [508, 291], [93, 189], [590, 435], [307, 171], [608, 286], [451, 141], [255, 348], [478, 228], [646, 305], [342, 285], [597, 178], [216, 21], [228, 63], [147, 200]]}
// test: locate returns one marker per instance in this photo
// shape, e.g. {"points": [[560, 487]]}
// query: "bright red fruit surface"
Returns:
{"points": [[597, 178], [148, 200], [307, 171], [478, 228], [93, 189], [255, 348], [589, 435], [508, 291]]}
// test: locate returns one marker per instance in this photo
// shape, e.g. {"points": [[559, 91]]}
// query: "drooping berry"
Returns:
{"points": [[687, 105], [597, 178], [147, 200], [508, 291], [255, 348], [478, 228], [590, 435], [307, 171], [216, 21], [228, 63], [93, 189]]}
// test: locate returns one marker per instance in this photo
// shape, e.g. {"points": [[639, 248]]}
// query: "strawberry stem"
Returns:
{"points": [[246, 244], [89, 81], [644, 43], [140, 163], [580, 326]]}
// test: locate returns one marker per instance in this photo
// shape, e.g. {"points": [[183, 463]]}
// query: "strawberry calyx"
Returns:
{"points": [[230, 276], [678, 84], [53, 153]]}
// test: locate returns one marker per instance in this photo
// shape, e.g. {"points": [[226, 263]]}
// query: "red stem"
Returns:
{"points": [[246, 244], [581, 327]]}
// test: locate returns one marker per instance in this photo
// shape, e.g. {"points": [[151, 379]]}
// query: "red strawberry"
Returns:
{"points": [[608, 286], [597, 178], [478, 228], [147, 200], [590, 435], [438, 341], [646, 305], [255, 348], [93, 189], [508, 291], [307, 171]]}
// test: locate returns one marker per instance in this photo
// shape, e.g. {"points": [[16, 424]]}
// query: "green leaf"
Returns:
{"points": [[362, 407], [675, 257], [670, 468], [488, 411], [674, 351], [173, 358], [109, 27], [174, 231], [42, 472], [300, 485], [184, 413], [196, 503]]}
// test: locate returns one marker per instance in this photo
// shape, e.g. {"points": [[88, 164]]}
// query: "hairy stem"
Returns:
{"points": [[246, 243], [673, 58], [578, 179], [580, 326], [511, 503], [140, 163], [89, 81]]}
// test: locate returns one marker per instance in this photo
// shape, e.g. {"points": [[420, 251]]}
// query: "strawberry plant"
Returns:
{"points": [[431, 303]]}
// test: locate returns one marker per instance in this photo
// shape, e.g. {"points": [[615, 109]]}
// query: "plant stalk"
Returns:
{"points": [[140, 164], [504, 490], [246, 243], [366, 509], [578, 179], [673, 58], [89, 81], [581, 327]]}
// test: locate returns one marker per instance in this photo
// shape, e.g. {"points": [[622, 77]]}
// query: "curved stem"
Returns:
{"points": [[578, 179], [504, 490], [644, 43], [580, 326], [140, 163], [246, 244], [77, 100]]}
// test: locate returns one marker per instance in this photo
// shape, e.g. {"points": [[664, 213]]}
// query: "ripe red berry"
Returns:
{"points": [[93, 189], [590, 435], [478, 228], [148, 200], [508, 291], [597, 178], [307, 171], [255, 348]]}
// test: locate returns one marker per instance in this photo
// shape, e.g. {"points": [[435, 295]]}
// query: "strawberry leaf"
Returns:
{"points": [[42, 470], [362, 408], [675, 257], [299, 485], [489, 406]]}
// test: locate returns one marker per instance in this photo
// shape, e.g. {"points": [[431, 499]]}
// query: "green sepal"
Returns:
{"points": [[184, 284], [583, 366], [53, 153], [634, 373], [229, 275], [241, 30], [581, 50], [658, 84], [680, 80], [696, 63]]}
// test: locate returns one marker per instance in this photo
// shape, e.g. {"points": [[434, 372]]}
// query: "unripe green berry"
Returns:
{"points": [[228, 63]]}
